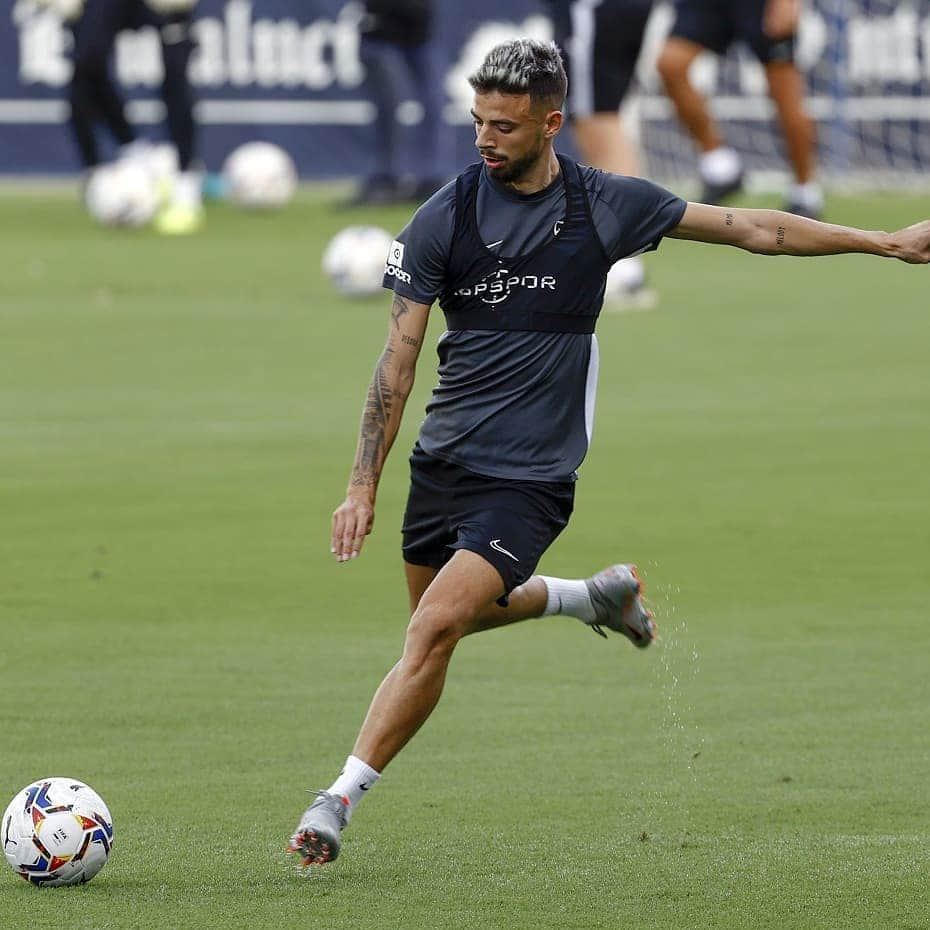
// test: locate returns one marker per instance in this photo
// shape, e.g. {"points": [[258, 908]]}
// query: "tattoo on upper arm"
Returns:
{"points": [[398, 308], [729, 219], [780, 235]]}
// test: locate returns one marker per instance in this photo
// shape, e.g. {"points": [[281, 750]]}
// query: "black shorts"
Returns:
{"points": [[508, 523], [600, 45], [716, 24]]}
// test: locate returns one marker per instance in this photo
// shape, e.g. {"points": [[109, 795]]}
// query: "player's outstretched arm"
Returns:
{"points": [[390, 386], [771, 232]]}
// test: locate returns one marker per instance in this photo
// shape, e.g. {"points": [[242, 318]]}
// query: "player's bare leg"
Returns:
{"points": [[447, 605], [604, 143], [786, 88], [447, 610], [721, 167], [674, 66]]}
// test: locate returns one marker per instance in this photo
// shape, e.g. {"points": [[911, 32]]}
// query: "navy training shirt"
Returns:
{"points": [[516, 388]]}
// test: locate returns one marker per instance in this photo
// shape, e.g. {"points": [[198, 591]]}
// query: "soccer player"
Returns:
{"points": [[95, 99], [516, 250], [768, 27], [600, 44], [399, 52]]}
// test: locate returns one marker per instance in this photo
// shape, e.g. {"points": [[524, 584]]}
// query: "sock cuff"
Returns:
{"points": [[568, 597], [360, 768], [553, 601]]}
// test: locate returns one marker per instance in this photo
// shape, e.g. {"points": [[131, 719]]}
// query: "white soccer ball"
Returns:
{"points": [[355, 259], [122, 193], [57, 831], [261, 176]]}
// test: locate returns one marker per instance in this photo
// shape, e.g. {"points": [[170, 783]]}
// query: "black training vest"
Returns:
{"points": [[558, 287]]}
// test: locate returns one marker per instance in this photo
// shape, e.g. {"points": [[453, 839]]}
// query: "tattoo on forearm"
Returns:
{"points": [[409, 340], [381, 403], [780, 235], [377, 412], [729, 219], [398, 308]]}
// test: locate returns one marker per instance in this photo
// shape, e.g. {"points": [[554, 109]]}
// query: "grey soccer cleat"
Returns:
{"points": [[318, 836], [615, 594]]}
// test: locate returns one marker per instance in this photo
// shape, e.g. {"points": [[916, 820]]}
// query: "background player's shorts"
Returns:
{"points": [[509, 523], [716, 24], [600, 44]]}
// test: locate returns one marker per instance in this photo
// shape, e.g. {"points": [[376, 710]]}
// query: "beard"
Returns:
{"points": [[513, 171]]}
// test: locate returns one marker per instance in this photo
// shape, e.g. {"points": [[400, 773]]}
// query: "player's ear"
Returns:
{"points": [[554, 120]]}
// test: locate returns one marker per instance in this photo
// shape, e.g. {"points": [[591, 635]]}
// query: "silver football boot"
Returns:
{"points": [[318, 836], [615, 593]]}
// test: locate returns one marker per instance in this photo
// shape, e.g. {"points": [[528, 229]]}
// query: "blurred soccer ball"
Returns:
{"points": [[68, 10], [57, 831], [355, 258], [123, 193], [260, 175]]}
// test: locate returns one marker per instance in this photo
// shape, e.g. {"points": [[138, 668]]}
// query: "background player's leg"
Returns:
{"points": [[384, 71], [604, 42], [604, 144], [786, 87], [674, 63], [721, 167], [433, 147], [93, 95], [176, 47], [184, 214]]}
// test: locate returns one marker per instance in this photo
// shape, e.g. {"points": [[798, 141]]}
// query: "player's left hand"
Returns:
{"points": [[912, 245], [780, 19]]}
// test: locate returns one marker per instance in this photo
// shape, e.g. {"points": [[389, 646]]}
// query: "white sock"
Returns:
{"points": [[568, 598], [809, 195], [354, 781], [721, 165], [186, 191]]}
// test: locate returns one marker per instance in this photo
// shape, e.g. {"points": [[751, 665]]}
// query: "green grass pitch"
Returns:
{"points": [[177, 421]]}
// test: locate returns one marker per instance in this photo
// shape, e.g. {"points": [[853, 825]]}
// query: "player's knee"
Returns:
{"points": [[673, 64], [435, 629]]}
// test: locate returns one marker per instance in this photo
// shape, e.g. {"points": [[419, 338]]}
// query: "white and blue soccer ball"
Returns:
{"points": [[355, 260], [123, 193], [57, 831], [260, 176]]}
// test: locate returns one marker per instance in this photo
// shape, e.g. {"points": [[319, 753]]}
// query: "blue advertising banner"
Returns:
{"points": [[290, 71], [286, 71]]}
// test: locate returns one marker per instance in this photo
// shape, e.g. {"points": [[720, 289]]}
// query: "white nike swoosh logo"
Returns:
{"points": [[495, 544], [493, 245]]}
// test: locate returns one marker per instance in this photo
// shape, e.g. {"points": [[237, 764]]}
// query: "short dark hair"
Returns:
{"points": [[524, 66]]}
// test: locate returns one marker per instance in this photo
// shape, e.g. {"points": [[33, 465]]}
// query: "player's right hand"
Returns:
{"points": [[352, 522]]}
